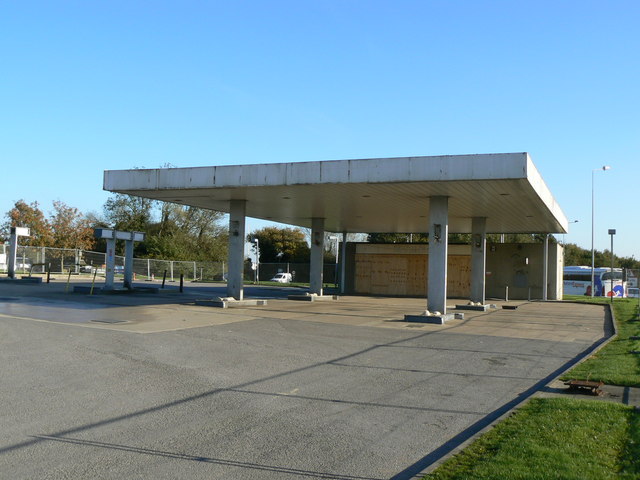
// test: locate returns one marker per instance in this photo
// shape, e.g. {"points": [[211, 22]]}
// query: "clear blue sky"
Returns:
{"points": [[89, 86]]}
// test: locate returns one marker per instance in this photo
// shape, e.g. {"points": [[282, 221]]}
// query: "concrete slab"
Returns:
{"points": [[229, 303], [22, 280], [475, 308], [313, 298], [436, 319]]}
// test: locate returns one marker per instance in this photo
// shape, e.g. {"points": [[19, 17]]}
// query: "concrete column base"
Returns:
{"points": [[230, 303], [436, 319], [475, 308], [313, 298]]}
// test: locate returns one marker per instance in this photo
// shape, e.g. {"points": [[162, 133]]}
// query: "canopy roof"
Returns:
{"points": [[365, 195]]}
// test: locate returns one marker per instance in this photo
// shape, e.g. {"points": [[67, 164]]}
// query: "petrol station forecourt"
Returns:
{"points": [[476, 194], [157, 386]]}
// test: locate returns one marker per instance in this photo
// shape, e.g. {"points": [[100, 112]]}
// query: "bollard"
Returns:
{"points": [[95, 272], [164, 278], [48, 272], [66, 289], [506, 293], [181, 282]]}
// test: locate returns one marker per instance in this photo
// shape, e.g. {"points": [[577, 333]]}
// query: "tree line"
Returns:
{"points": [[173, 232]]}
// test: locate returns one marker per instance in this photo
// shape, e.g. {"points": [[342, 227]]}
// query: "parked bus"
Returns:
{"points": [[577, 281]]}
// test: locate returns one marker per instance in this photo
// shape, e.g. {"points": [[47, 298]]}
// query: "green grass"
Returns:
{"points": [[615, 364], [554, 438]]}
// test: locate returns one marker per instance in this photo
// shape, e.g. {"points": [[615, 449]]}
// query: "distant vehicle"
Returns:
{"points": [[86, 268], [577, 281], [282, 278], [23, 264], [118, 269]]}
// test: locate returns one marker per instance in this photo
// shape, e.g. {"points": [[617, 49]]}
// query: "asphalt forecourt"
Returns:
{"points": [[143, 386]]}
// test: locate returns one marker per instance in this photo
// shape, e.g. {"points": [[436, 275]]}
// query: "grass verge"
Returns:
{"points": [[615, 364], [554, 438]]}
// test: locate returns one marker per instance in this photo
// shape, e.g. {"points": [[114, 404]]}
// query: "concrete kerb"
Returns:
{"points": [[516, 404]]}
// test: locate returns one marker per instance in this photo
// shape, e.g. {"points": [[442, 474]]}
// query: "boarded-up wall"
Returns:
{"points": [[401, 269], [406, 274]]}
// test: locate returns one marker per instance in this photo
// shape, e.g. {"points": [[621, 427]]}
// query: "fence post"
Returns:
{"points": [[171, 267], [148, 269], [195, 272], [44, 252]]}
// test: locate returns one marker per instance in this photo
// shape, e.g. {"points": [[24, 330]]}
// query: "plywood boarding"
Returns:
{"points": [[380, 274]]}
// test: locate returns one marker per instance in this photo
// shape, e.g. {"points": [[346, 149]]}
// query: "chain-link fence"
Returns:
{"points": [[631, 276], [39, 260], [299, 272]]}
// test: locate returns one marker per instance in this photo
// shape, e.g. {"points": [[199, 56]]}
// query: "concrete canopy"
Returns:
{"points": [[366, 195]]}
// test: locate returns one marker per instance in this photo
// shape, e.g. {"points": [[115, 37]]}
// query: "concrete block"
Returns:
{"points": [[85, 289], [313, 298], [32, 279], [436, 319], [475, 308], [230, 303]]}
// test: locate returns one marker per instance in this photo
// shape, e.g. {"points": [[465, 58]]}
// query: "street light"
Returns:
{"points": [[612, 232], [573, 221], [593, 207], [257, 260]]}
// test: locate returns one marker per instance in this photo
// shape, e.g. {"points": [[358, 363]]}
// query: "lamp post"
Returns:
{"points": [[612, 232], [573, 221], [593, 208], [257, 260]]}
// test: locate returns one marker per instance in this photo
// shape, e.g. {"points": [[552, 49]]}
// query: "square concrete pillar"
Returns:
{"points": [[545, 268], [128, 264], [110, 263], [343, 263], [478, 259], [438, 250], [237, 214], [317, 255], [13, 253]]}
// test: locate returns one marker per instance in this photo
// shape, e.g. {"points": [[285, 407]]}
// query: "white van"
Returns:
{"points": [[282, 278]]}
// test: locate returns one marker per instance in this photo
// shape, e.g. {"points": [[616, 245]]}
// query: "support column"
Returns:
{"points": [[110, 263], [478, 259], [128, 264], [438, 249], [317, 255], [545, 267], [13, 253], [237, 213], [343, 262]]}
